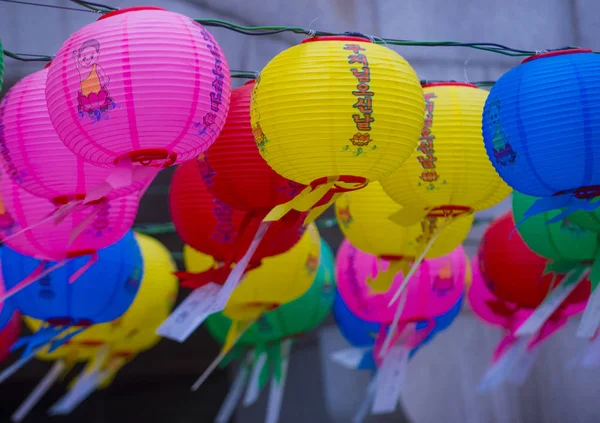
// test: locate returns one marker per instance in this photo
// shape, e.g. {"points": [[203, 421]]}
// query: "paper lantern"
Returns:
{"points": [[291, 319], [142, 83], [236, 173], [30, 228], [510, 269], [9, 333], [538, 127], [437, 286], [363, 217], [335, 113], [279, 280], [100, 295], [35, 158], [212, 227], [561, 241], [448, 174]]}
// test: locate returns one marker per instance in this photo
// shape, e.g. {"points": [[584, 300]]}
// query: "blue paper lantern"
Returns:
{"points": [[102, 294], [541, 128]]}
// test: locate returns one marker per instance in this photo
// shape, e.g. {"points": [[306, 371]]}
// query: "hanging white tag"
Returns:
{"points": [[235, 392], [191, 313], [498, 372], [253, 389], [350, 358], [591, 316], [14, 368], [537, 319], [277, 387], [84, 387], [39, 391], [365, 405], [589, 357], [520, 370], [390, 378]]}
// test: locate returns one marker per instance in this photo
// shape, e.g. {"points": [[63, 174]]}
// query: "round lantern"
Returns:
{"points": [[510, 269], [9, 333], [35, 158], [561, 241], [438, 285], [448, 174], [235, 172], [31, 229], [100, 295], [538, 128], [141, 83], [279, 280], [291, 319], [363, 217], [216, 229], [338, 136]]}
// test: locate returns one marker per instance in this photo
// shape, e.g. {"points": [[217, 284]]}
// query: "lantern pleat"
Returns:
{"points": [[450, 166], [145, 83]]}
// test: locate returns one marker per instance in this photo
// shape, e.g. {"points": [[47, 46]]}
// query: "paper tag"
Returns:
{"points": [[350, 358], [390, 379], [234, 394], [190, 314], [499, 370], [522, 367], [14, 368], [253, 389], [39, 391], [591, 316], [365, 405], [84, 387], [537, 319], [589, 357], [277, 386]]}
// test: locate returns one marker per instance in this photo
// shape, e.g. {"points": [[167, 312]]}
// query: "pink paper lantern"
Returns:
{"points": [[142, 83], [30, 225], [435, 289], [34, 157]]}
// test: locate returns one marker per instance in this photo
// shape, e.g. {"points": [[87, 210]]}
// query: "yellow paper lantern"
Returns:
{"points": [[363, 217], [449, 174], [335, 113]]}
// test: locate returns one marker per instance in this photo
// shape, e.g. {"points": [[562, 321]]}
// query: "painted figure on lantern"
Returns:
{"points": [[503, 151], [93, 97], [443, 281]]}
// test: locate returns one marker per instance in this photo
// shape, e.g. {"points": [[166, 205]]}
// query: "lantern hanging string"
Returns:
{"points": [[93, 7]]}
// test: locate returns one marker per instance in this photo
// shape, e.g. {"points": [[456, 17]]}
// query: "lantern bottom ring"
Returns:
{"points": [[356, 182], [149, 157], [583, 193], [63, 200], [391, 257], [67, 321], [80, 253], [450, 211]]}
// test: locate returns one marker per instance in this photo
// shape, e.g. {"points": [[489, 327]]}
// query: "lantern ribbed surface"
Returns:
{"points": [[103, 293], [450, 166], [101, 225], [240, 177], [294, 318], [32, 154], [337, 106], [211, 227], [563, 240], [436, 287], [541, 123], [363, 217], [280, 279], [150, 84]]}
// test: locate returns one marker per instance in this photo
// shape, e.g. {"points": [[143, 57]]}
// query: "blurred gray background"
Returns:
{"points": [[442, 378]]}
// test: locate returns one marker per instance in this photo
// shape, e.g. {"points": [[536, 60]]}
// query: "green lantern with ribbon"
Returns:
{"points": [[570, 248], [587, 220], [265, 346]]}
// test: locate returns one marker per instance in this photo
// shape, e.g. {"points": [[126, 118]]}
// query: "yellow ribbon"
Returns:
{"points": [[384, 279], [408, 217]]}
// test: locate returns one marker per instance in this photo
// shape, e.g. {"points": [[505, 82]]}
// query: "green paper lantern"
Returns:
{"points": [[562, 241], [291, 319], [587, 220]]}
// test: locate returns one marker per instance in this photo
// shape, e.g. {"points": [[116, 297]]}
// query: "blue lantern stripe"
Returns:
{"points": [[521, 130], [588, 166]]}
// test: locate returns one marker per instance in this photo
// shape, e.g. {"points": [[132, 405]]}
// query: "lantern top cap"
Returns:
{"points": [[556, 53], [252, 81], [130, 9], [448, 84], [337, 38]]}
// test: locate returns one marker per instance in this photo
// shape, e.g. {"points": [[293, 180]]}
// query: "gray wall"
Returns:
{"points": [[442, 378]]}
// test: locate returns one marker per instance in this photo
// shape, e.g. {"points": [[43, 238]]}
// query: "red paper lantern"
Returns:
{"points": [[211, 226], [513, 272], [236, 172]]}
